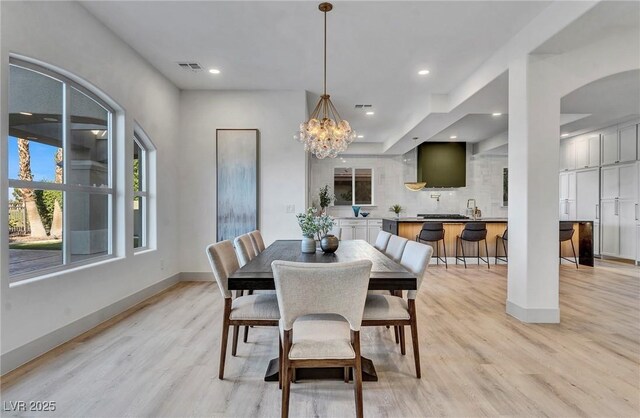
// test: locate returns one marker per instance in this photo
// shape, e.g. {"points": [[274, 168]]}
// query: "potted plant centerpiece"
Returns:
{"points": [[309, 228], [328, 242], [397, 209], [325, 197]]}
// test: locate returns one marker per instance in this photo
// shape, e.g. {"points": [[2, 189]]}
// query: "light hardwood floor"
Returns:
{"points": [[161, 359]]}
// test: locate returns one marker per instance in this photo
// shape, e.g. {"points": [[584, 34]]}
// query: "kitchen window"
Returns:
{"points": [[353, 186]]}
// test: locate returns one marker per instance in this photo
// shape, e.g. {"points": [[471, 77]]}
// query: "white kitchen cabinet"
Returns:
{"points": [[358, 228], [609, 228], [627, 235], [373, 228], [628, 138], [567, 154], [638, 244], [628, 181], [610, 182], [587, 151], [568, 185], [610, 146], [587, 194], [594, 150], [596, 238]]}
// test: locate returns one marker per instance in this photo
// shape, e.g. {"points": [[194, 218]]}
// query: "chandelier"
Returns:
{"points": [[325, 134]]}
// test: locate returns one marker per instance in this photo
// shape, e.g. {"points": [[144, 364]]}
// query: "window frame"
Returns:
{"points": [[353, 185], [146, 148], [110, 191]]}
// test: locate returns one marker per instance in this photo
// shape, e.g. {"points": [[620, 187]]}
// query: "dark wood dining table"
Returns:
{"points": [[386, 274]]}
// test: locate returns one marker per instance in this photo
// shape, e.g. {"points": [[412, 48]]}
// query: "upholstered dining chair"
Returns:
{"points": [[321, 309], [382, 240], [247, 310], [244, 249], [257, 241], [337, 232], [395, 247], [380, 309]]}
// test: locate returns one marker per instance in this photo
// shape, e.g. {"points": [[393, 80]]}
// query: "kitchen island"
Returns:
{"points": [[409, 228]]}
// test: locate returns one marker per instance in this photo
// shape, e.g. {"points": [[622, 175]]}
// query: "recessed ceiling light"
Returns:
{"points": [[564, 135], [423, 72], [453, 137], [360, 136], [496, 114], [214, 71], [369, 113], [26, 113]]}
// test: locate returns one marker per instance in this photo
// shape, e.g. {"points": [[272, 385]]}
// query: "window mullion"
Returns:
{"points": [[66, 169]]}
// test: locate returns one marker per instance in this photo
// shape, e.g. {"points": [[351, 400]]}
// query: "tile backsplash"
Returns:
{"points": [[484, 183]]}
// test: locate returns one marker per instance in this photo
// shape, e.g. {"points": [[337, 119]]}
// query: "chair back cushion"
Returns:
{"points": [[566, 231], [257, 241], [336, 231], [314, 288], [431, 231], [416, 258], [223, 263], [382, 240], [395, 247], [474, 231], [244, 249]]}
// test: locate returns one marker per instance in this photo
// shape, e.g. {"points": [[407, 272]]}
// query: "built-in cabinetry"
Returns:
{"points": [[360, 228], [600, 181]]}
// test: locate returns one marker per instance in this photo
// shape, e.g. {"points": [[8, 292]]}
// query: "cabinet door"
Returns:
{"points": [[627, 229], [347, 232], [596, 239], [628, 188], [571, 210], [638, 244], [372, 232], [628, 139], [594, 151], [568, 154], [572, 185], [587, 194], [609, 146], [565, 209], [609, 228], [360, 232], [582, 152], [610, 182], [564, 186]]}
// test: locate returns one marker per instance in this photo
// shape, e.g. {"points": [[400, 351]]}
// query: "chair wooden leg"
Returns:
{"points": [[234, 345], [225, 337], [286, 380], [357, 373], [346, 375], [414, 336], [403, 351], [246, 334], [280, 362], [396, 332]]}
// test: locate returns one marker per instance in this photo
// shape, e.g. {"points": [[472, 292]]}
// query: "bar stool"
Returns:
{"points": [[434, 232], [473, 232], [504, 238], [566, 234]]}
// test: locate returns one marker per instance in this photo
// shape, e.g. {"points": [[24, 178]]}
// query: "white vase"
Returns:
{"points": [[308, 245]]}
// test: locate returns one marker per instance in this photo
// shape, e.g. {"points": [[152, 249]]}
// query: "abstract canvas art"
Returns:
{"points": [[236, 182]]}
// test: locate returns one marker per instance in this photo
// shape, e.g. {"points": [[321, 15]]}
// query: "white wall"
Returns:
{"points": [[282, 166], [484, 183], [65, 35]]}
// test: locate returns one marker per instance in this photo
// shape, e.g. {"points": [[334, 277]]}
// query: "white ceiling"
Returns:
{"points": [[375, 48]]}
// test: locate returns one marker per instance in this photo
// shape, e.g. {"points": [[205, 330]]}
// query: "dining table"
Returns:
{"points": [[386, 274]]}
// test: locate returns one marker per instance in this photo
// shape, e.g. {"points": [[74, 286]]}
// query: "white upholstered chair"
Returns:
{"points": [[382, 240], [321, 309], [395, 310], [244, 249], [337, 232], [395, 247], [257, 241], [248, 310]]}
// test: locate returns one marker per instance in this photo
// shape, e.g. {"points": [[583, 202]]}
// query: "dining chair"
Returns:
{"points": [[244, 249], [337, 232], [434, 232], [395, 247], [473, 232], [321, 310], [382, 240], [247, 310], [257, 241], [382, 310]]}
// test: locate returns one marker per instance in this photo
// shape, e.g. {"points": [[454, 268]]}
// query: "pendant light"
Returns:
{"points": [[325, 134]]}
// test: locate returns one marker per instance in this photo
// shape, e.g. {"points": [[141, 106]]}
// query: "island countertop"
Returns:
{"points": [[462, 220]]}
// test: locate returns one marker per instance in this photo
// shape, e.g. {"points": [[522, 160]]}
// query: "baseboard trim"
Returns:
{"points": [[534, 315], [15, 358], [196, 277]]}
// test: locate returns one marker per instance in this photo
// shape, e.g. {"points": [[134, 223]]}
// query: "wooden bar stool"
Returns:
{"points": [[434, 232], [473, 232], [504, 238]]}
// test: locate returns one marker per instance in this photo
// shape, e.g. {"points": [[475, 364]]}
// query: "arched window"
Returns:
{"points": [[60, 163]]}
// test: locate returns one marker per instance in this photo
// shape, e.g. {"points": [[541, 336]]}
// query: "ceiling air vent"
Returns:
{"points": [[363, 106], [190, 66]]}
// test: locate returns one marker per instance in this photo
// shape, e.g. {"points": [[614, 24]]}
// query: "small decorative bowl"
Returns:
{"points": [[364, 214]]}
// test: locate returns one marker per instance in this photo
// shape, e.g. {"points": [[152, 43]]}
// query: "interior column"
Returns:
{"points": [[534, 147]]}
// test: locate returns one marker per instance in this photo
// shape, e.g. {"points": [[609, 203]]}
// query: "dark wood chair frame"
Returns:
{"points": [[399, 324], [460, 243], [504, 258], [236, 324], [288, 367]]}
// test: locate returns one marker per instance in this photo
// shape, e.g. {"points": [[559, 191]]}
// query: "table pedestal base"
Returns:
{"points": [[330, 373]]}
